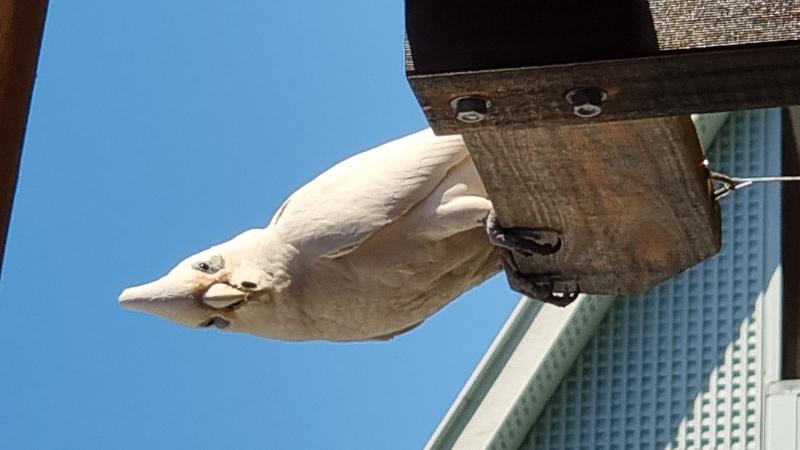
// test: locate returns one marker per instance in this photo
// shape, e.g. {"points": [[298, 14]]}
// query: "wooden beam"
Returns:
{"points": [[21, 27], [466, 35], [653, 58], [576, 113], [790, 218], [632, 200], [711, 80]]}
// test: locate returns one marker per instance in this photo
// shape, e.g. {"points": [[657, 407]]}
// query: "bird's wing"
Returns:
{"points": [[331, 215]]}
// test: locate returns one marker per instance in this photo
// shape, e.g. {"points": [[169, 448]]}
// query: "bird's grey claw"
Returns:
{"points": [[523, 241], [562, 298], [544, 291], [535, 241], [540, 286]]}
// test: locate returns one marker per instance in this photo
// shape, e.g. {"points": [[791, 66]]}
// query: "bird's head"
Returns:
{"points": [[207, 288]]}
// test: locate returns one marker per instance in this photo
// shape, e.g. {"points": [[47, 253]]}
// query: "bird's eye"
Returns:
{"points": [[213, 265]]}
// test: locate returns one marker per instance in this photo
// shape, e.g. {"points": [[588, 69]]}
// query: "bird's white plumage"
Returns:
{"points": [[366, 250], [364, 193]]}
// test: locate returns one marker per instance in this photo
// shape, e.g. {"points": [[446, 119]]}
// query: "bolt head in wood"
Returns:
{"points": [[470, 109], [586, 101]]}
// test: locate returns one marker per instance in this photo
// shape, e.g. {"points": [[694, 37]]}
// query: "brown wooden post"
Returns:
{"points": [[21, 27], [790, 224]]}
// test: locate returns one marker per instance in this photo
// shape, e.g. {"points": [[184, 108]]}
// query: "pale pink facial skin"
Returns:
{"points": [[195, 297]]}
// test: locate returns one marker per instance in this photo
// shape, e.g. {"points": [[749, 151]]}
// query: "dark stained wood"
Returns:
{"points": [[671, 84], [653, 58], [460, 35], [463, 35], [632, 199], [790, 217], [21, 26], [626, 186]]}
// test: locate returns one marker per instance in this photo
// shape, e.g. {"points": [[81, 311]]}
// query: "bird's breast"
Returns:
{"points": [[380, 289]]}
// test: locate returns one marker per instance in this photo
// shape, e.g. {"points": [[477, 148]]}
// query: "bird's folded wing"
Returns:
{"points": [[335, 212]]}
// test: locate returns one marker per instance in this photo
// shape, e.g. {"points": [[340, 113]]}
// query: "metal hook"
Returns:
{"points": [[730, 184]]}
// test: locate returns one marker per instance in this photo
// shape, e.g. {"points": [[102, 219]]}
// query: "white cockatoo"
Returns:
{"points": [[367, 250]]}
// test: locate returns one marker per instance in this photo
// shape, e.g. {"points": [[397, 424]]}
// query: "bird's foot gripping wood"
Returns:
{"points": [[547, 288], [528, 242], [525, 241]]}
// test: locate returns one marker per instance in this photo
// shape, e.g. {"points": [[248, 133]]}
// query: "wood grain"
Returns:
{"points": [[666, 85], [21, 26], [632, 199]]}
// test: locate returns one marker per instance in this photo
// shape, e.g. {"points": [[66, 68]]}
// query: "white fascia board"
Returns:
{"points": [[522, 368], [707, 126], [782, 415], [484, 375]]}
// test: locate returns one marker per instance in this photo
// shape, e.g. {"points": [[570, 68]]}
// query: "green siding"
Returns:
{"points": [[680, 367]]}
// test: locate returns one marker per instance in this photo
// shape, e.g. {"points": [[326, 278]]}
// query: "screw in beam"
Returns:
{"points": [[470, 109], [586, 101]]}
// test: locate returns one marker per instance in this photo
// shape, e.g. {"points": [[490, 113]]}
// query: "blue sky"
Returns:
{"points": [[157, 129]]}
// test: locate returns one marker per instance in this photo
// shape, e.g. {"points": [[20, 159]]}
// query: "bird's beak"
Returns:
{"points": [[223, 295], [183, 299], [162, 297]]}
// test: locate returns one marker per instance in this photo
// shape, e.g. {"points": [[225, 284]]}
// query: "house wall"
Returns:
{"points": [[686, 365]]}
